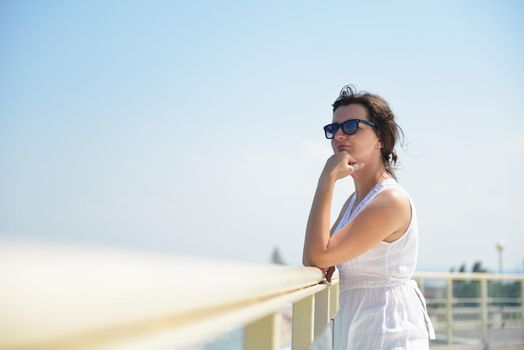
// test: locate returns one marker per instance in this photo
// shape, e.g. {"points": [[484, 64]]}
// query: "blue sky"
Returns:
{"points": [[195, 128]]}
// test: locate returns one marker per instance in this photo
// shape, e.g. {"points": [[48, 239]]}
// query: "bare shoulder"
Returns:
{"points": [[391, 204], [393, 198], [395, 204]]}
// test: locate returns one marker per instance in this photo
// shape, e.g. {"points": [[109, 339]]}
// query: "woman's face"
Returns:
{"points": [[363, 144]]}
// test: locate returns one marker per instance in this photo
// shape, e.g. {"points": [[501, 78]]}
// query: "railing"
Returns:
{"points": [[79, 298], [478, 310]]}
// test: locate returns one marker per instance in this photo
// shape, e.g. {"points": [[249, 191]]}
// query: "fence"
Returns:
{"points": [[476, 305]]}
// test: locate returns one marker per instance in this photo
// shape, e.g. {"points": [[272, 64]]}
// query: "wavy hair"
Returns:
{"points": [[379, 111]]}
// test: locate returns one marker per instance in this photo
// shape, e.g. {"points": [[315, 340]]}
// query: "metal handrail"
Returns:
{"points": [[64, 297]]}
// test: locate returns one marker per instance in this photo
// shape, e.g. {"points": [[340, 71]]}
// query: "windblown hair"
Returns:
{"points": [[379, 111]]}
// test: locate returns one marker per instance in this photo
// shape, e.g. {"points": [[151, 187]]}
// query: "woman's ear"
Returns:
{"points": [[379, 144]]}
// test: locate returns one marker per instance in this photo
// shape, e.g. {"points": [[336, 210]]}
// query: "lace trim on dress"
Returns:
{"points": [[377, 188]]}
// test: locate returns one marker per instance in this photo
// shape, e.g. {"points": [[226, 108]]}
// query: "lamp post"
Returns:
{"points": [[500, 250]]}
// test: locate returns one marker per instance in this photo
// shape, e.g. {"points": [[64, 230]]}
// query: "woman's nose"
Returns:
{"points": [[339, 135]]}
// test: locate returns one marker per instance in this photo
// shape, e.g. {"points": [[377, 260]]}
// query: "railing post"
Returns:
{"points": [[303, 323], [522, 306], [333, 309], [263, 333], [484, 308], [449, 308], [333, 300], [322, 311]]}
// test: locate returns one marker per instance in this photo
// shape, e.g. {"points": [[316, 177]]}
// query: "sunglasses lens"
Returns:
{"points": [[350, 126], [330, 130]]}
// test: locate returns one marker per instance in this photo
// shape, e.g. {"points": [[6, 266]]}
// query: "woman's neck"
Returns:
{"points": [[366, 178]]}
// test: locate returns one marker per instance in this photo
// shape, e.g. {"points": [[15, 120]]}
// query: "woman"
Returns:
{"points": [[374, 241]]}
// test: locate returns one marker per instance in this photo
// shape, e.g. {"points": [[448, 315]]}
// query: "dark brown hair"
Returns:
{"points": [[378, 109]]}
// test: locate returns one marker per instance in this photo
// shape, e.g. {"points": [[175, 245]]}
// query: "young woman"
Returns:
{"points": [[373, 243]]}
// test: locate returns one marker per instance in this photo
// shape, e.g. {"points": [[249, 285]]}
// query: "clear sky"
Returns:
{"points": [[195, 128]]}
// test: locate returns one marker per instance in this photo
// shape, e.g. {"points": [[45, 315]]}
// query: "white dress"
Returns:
{"points": [[380, 306]]}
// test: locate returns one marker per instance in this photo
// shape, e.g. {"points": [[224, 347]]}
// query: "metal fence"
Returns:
{"points": [[475, 308]]}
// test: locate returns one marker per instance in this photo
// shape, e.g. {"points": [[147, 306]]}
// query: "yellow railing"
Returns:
{"points": [[59, 297]]}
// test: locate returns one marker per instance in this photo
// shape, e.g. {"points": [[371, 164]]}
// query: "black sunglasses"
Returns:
{"points": [[349, 127]]}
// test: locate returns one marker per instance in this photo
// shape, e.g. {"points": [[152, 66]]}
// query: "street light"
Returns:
{"points": [[500, 249]]}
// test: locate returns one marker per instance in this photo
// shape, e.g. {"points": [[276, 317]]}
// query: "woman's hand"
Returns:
{"points": [[328, 272], [340, 165]]}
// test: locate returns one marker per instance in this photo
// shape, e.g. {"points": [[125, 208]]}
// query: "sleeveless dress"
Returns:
{"points": [[380, 306]]}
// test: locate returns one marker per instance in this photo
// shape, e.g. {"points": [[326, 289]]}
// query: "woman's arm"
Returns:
{"points": [[317, 229], [328, 271], [385, 216], [382, 217]]}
